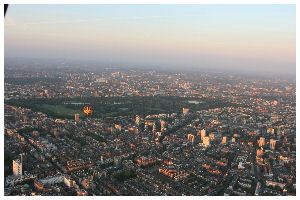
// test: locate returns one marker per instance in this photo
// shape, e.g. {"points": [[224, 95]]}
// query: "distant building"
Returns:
{"points": [[206, 141], [82, 192], [149, 124], [154, 127], [259, 152], [17, 167], [191, 137], [274, 102], [25, 118], [185, 111], [144, 161], [163, 125], [272, 144], [35, 134], [118, 160], [224, 140], [271, 131], [46, 93], [233, 140], [261, 142], [211, 136], [202, 134], [118, 127], [76, 117], [137, 120], [56, 132], [273, 184], [68, 181]]}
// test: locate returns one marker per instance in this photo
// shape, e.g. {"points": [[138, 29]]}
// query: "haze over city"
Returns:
{"points": [[259, 38], [150, 100]]}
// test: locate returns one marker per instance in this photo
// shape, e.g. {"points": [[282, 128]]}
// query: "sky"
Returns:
{"points": [[258, 37]]}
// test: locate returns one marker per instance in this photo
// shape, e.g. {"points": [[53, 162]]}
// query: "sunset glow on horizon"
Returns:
{"points": [[260, 37]]}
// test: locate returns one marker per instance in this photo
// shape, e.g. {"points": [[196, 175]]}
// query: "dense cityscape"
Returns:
{"points": [[151, 132]]}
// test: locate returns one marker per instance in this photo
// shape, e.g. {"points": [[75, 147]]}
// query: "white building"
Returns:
{"points": [[202, 134], [17, 167]]}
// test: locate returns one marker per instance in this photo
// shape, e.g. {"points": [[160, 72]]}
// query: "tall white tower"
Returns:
{"points": [[17, 167]]}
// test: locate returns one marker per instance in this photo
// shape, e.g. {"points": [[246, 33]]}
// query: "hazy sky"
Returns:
{"points": [[259, 37]]}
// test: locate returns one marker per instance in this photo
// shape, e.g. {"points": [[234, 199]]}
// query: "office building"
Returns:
{"points": [[202, 134], [212, 136], [224, 140], [191, 137], [206, 141], [76, 117], [185, 111], [272, 144], [17, 167], [261, 142]]}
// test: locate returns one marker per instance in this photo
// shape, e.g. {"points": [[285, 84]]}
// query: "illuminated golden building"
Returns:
{"points": [[202, 134], [118, 126], [212, 136], [224, 140], [233, 140], [191, 137], [271, 130], [272, 144], [137, 120], [163, 125], [259, 152], [185, 111], [17, 167], [206, 141], [261, 142]]}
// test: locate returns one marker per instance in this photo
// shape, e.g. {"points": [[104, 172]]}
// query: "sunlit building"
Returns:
{"points": [[261, 142], [206, 141], [224, 140], [272, 144], [185, 111], [202, 134], [233, 140], [76, 116], [17, 167], [191, 137], [137, 120], [212, 136]]}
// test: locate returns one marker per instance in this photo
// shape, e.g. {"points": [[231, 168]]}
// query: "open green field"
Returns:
{"points": [[60, 110], [115, 106]]}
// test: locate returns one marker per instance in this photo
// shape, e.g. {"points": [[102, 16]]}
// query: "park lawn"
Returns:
{"points": [[60, 110]]}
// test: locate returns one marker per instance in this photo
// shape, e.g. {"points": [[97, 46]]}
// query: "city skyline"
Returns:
{"points": [[234, 37], [147, 132]]}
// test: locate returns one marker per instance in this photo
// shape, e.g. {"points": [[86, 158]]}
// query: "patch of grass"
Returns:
{"points": [[107, 106], [124, 175], [60, 110]]}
